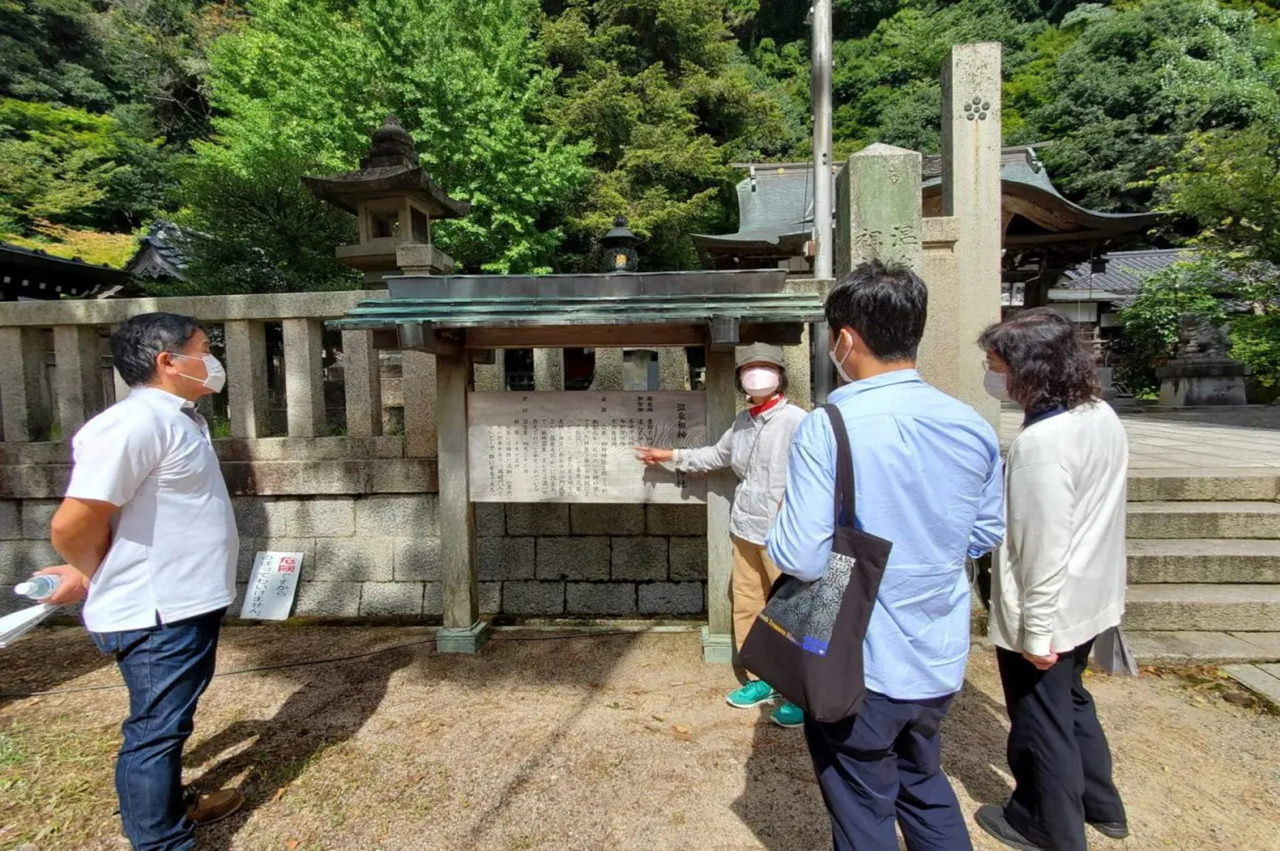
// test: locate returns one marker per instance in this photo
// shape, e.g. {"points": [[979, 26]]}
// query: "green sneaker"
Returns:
{"points": [[788, 715], [752, 694]]}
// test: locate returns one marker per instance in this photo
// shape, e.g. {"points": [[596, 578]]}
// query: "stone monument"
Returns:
{"points": [[1203, 371]]}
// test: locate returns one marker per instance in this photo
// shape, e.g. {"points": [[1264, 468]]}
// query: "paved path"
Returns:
{"points": [[1200, 439], [1264, 679]]}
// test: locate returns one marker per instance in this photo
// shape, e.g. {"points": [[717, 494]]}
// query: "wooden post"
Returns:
{"points": [[79, 377], [362, 381], [717, 635], [247, 378], [23, 391], [463, 631], [304, 377]]}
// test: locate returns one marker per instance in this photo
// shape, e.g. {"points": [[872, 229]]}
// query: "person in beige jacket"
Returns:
{"points": [[756, 446], [1058, 582]]}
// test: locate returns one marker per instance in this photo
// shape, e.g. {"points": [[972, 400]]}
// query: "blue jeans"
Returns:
{"points": [[884, 766], [166, 668]]}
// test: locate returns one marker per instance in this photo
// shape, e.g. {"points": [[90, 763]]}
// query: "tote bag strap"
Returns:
{"points": [[845, 503]]}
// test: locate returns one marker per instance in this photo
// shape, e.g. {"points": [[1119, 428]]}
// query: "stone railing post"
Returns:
{"points": [[304, 377], [362, 377], [247, 378], [673, 369], [24, 392], [77, 369], [608, 372], [418, 387], [548, 369]]}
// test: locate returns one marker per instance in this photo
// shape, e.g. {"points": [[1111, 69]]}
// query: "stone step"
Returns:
{"points": [[1203, 648], [1202, 608], [1264, 680], [1204, 520], [1204, 485], [1180, 560]]}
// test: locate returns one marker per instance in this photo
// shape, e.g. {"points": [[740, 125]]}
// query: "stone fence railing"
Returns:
{"points": [[76, 389], [328, 447]]}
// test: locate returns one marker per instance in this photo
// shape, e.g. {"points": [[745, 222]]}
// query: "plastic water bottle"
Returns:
{"points": [[38, 587]]}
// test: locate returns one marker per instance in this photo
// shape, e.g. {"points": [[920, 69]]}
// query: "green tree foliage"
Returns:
{"points": [[1136, 81], [98, 98], [303, 84], [666, 101], [1228, 181], [552, 117], [65, 165]]}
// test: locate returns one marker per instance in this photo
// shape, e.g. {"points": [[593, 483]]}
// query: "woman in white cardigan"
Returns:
{"points": [[1058, 582]]}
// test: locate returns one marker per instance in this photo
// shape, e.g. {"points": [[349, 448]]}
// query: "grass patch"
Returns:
{"points": [[11, 751]]}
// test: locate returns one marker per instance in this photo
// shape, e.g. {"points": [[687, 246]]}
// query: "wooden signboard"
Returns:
{"points": [[579, 446]]}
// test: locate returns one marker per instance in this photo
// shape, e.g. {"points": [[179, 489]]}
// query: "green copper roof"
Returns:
{"points": [[518, 312]]}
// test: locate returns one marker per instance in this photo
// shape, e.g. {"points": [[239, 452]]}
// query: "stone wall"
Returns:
{"points": [[378, 555]]}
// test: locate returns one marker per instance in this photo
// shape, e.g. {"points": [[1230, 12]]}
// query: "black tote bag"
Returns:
{"points": [[807, 643]]}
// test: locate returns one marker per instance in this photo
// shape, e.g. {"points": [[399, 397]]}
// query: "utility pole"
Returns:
{"points": [[823, 231]]}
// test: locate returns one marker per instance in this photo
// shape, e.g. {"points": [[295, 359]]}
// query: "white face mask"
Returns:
{"points": [[216, 377], [838, 360], [760, 381], [997, 385]]}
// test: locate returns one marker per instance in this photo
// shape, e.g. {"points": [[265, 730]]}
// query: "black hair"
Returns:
{"points": [[886, 305], [1048, 365], [140, 339]]}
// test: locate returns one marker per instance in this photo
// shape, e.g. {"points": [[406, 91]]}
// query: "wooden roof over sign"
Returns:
{"points": [[499, 312], [613, 309]]}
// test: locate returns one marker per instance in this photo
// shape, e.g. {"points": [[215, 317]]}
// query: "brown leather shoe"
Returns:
{"points": [[215, 806]]}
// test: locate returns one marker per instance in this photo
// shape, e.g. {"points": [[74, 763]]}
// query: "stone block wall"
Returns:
{"points": [[378, 556]]}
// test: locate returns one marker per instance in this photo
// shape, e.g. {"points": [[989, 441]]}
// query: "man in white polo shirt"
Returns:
{"points": [[151, 545]]}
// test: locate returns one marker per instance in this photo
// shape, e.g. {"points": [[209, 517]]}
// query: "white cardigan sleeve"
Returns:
{"points": [[1041, 501]]}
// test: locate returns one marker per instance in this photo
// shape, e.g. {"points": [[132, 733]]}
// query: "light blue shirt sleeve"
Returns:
{"points": [[800, 539], [988, 527]]}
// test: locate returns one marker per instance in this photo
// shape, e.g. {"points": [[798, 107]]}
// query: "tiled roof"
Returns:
{"points": [[159, 253], [1126, 270]]}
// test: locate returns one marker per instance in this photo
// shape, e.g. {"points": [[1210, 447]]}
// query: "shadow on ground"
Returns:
{"points": [[333, 701], [781, 803], [66, 654], [780, 800], [973, 744]]}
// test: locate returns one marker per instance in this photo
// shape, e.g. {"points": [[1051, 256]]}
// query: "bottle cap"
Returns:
{"points": [[24, 588]]}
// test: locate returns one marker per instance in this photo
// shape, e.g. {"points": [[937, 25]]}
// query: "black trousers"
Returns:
{"points": [[1058, 753], [882, 768]]}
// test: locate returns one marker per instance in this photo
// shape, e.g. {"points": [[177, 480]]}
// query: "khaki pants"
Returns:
{"points": [[753, 575]]}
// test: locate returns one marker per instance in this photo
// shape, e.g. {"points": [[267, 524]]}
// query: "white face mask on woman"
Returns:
{"points": [[760, 381], [997, 385], [216, 377]]}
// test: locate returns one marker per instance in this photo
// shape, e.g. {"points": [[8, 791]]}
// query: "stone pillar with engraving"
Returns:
{"points": [[879, 217]]}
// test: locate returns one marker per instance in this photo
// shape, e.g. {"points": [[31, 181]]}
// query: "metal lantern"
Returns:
{"points": [[619, 248]]}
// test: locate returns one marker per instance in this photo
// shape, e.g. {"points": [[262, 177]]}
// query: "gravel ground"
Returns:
{"points": [[605, 742]]}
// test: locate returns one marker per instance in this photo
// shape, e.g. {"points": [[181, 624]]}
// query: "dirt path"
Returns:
{"points": [[616, 742]]}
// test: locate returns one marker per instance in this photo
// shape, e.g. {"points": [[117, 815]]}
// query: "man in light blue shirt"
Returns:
{"points": [[928, 479]]}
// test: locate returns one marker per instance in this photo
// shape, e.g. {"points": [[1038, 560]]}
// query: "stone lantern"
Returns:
{"points": [[396, 202], [619, 248]]}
